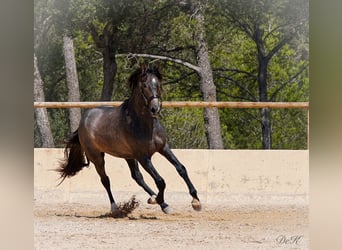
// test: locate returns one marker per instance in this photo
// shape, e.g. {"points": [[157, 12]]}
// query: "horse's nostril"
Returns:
{"points": [[153, 110]]}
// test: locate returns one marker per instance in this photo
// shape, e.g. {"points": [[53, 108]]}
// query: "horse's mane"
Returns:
{"points": [[134, 78]]}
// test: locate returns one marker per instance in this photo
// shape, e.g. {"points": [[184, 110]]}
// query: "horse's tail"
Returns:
{"points": [[74, 159]]}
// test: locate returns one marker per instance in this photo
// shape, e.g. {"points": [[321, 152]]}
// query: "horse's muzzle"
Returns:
{"points": [[155, 106]]}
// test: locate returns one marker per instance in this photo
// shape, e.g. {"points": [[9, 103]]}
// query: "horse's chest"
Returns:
{"points": [[140, 133], [147, 141], [157, 143]]}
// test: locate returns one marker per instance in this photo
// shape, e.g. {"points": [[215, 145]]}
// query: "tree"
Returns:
{"points": [[194, 47], [72, 81], [270, 26], [105, 27], [208, 88], [41, 113], [105, 43], [203, 69]]}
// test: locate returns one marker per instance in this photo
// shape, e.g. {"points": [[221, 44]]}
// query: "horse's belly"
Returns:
{"points": [[133, 151]]}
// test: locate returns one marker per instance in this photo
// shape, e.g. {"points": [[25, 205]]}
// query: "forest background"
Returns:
{"points": [[220, 50]]}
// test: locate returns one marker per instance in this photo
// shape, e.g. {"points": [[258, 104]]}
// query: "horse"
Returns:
{"points": [[131, 131]]}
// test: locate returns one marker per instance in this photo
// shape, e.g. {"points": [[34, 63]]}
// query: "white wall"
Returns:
{"points": [[213, 172]]}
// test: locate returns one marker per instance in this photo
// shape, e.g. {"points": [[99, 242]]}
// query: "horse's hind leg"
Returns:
{"points": [[138, 177], [167, 153], [100, 168]]}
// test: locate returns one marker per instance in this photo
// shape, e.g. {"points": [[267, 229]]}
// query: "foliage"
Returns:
{"points": [[164, 28], [185, 128]]}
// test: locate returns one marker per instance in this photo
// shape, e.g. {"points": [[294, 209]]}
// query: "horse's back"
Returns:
{"points": [[99, 127], [100, 116]]}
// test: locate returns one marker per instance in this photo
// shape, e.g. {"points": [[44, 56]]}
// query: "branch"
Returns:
{"points": [[166, 58], [234, 96], [278, 46], [176, 49], [179, 79], [237, 71], [240, 86], [242, 25], [98, 41], [275, 93], [255, 117], [275, 29]]}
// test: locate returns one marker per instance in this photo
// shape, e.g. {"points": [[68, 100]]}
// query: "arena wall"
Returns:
{"points": [[213, 172]]}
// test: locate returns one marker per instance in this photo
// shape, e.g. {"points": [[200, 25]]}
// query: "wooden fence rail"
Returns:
{"points": [[240, 105], [300, 105]]}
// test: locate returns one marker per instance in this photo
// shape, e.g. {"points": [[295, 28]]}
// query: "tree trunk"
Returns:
{"points": [[266, 129], [106, 44], [72, 81], [109, 70], [41, 113], [265, 113], [208, 88]]}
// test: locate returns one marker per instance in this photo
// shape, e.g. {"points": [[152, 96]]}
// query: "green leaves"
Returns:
{"points": [[166, 28], [185, 128]]}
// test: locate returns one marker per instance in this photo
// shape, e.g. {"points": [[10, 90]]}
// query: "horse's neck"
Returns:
{"points": [[139, 113]]}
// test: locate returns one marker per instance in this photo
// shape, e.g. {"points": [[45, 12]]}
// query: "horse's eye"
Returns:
{"points": [[144, 85]]}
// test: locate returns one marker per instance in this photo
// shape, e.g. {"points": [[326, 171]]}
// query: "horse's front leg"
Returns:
{"points": [[168, 154], [139, 179], [147, 165]]}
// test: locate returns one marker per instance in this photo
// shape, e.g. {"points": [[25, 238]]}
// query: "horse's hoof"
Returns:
{"points": [[196, 205], [167, 210], [113, 208], [152, 200]]}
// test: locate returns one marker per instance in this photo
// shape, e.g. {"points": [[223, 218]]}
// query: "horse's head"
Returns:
{"points": [[148, 81]]}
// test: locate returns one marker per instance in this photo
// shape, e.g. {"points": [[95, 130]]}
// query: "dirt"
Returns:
{"points": [[216, 226]]}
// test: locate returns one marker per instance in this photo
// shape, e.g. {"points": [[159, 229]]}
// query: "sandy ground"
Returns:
{"points": [[266, 224]]}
